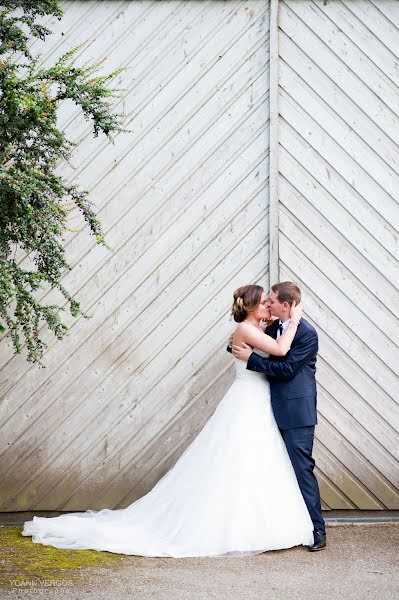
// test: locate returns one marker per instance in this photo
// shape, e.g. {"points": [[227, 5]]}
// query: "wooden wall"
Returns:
{"points": [[184, 198]]}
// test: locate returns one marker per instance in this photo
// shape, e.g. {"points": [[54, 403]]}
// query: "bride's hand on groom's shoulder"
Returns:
{"points": [[296, 311]]}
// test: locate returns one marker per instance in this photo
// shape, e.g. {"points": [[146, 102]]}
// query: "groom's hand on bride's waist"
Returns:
{"points": [[243, 351]]}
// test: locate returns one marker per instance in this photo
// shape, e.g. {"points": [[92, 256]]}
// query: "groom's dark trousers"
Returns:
{"points": [[294, 397]]}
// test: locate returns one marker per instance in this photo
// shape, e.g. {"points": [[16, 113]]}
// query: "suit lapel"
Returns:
{"points": [[272, 330]]}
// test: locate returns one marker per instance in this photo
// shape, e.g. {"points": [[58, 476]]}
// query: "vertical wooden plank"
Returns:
{"points": [[274, 143]]}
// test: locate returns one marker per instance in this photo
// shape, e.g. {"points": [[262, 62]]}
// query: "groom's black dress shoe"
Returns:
{"points": [[319, 541]]}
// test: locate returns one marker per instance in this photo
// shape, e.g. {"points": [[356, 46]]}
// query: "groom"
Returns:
{"points": [[293, 396]]}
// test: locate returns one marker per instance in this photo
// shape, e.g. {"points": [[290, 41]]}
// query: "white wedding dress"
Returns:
{"points": [[233, 492]]}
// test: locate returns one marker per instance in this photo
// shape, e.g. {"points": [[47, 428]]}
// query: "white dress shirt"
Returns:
{"points": [[285, 325]]}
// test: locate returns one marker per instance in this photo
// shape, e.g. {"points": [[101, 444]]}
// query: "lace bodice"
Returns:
{"points": [[242, 373]]}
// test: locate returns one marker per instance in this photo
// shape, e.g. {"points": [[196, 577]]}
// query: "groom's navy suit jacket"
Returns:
{"points": [[292, 377]]}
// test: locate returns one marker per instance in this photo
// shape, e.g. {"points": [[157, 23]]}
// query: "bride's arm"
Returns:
{"points": [[280, 347], [263, 325], [255, 338]]}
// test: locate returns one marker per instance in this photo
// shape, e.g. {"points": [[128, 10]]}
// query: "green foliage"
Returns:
{"points": [[35, 201], [13, 25]]}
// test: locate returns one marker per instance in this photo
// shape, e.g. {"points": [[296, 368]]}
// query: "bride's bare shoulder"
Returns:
{"points": [[243, 326], [242, 330]]}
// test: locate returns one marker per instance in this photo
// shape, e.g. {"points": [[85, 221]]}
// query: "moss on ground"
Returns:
{"points": [[23, 560]]}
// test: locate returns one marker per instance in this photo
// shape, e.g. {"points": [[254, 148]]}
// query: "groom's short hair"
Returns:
{"points": [[287, 291]]}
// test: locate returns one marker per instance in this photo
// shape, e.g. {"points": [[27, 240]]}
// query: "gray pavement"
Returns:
{"points": [[360, 563]]}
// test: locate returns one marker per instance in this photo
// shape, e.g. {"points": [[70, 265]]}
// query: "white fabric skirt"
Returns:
{"points": [[233, 492]]}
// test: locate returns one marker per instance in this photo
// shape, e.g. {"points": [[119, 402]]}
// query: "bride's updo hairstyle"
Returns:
{"points": [[246, 298]]}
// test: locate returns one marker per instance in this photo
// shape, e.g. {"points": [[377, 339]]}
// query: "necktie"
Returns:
{"points": [[280, 328]]}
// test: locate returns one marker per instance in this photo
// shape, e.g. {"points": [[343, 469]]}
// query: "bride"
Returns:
{"points": [[233, 491]]}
